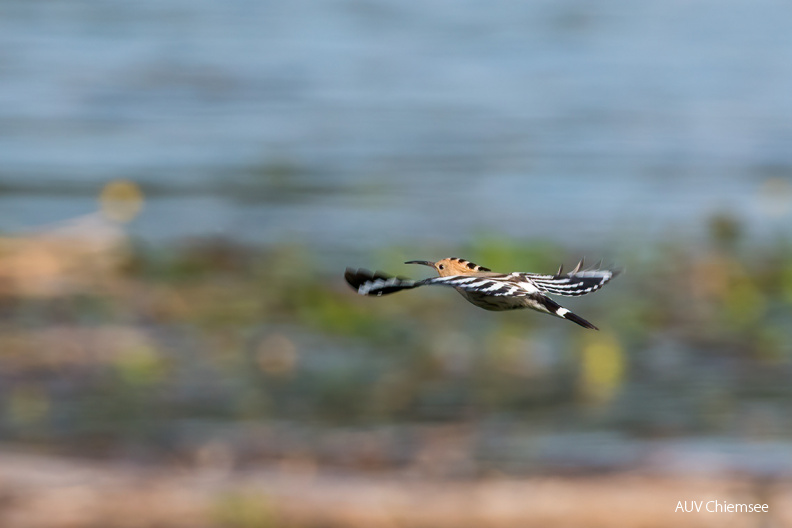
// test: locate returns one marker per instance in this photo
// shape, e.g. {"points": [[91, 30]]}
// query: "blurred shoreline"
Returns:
{"points": [[52, 492]]}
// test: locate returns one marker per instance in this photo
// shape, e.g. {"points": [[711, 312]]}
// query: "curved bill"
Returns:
{"points": [[424, 262]]}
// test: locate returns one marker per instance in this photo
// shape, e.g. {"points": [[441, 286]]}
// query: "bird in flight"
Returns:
{"points": [[490, 290]]}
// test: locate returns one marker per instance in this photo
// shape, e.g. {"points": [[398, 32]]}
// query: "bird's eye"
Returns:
{"points": [[440, 266]]}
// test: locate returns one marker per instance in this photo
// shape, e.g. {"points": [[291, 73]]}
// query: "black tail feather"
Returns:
{"points": [[579, 320], [559, 311]]}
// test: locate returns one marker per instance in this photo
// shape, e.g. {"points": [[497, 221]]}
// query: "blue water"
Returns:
{"points": [[358, 124]]}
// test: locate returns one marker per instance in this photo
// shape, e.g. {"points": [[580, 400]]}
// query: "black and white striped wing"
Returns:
{"points": [[497, 286], [376, 283], [573, 284]]}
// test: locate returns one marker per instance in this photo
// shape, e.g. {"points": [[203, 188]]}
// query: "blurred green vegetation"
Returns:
{"points": [[693, 337]]}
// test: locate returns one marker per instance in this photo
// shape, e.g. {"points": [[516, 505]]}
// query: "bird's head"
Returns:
{"points": [[451, 266]]}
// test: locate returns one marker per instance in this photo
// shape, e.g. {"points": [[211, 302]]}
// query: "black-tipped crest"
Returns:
{"points": [[470, 265], [473, 266]]}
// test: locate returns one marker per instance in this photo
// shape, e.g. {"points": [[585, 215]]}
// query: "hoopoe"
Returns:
{"points": [[489, 290]]}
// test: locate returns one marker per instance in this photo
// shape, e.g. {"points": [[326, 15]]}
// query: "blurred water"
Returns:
{"points": [[325, 122]]}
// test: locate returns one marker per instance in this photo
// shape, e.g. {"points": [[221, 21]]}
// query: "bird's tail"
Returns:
{"points": [[377, 283], [559, 311]]}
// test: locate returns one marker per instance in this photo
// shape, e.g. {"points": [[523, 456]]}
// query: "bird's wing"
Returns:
{"points": [[376, 283], [572, 284], [496, 285]]}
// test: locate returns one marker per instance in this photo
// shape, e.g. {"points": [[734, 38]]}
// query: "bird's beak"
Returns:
{"points": [[424, 262]]}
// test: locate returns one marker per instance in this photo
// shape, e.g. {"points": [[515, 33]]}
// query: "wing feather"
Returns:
{"points": [[376, 283], [495, 286], [572, 284]]}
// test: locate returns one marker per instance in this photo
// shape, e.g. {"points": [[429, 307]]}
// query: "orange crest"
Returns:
{"points": [[452, 266]]}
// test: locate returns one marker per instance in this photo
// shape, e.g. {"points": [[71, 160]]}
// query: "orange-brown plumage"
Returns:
{"points": [[453, 266]]}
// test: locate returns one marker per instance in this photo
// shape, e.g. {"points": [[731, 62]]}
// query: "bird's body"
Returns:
{"points": [[489, 290]]}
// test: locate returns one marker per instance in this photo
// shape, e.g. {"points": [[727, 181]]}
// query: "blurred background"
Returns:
{"points": [[182, 184]]}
